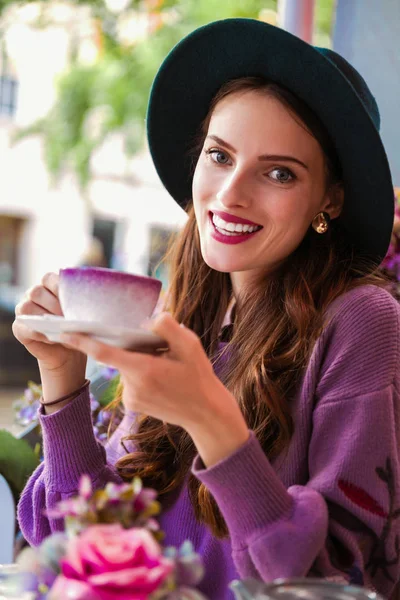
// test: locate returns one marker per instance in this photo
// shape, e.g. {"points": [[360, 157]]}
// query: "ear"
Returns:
{"points": [[334, 200]]}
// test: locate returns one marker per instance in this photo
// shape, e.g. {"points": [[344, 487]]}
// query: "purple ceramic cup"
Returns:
{"points": [[107, 296]]}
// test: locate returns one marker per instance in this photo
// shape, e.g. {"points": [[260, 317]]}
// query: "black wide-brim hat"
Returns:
{"points": [[212, 55]]}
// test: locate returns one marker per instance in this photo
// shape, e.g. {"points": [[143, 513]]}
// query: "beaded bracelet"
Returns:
{"points": [[67, 396]]}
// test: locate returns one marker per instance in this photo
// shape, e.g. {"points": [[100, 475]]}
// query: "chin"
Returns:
{"points": [[223, 266]]}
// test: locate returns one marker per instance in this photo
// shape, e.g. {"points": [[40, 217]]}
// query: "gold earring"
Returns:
{"points": [[320, 222]]}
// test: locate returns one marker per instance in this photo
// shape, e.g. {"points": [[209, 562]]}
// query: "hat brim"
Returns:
{"points": [[224, 50]]}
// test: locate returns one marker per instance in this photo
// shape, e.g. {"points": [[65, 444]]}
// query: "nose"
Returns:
{"points": [[235, 190]]}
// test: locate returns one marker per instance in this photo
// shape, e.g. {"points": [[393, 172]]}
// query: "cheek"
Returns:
{"points": [[196, 178], [196, 195], [199, 185], [203, 191], [296, 210]]}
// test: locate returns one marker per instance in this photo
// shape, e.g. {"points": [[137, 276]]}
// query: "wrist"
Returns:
{"points": [[56, 385], [219, 439], [63, 400]]}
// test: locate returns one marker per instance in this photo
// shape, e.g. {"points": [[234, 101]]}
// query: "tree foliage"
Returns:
{"points": [[111, 95]]}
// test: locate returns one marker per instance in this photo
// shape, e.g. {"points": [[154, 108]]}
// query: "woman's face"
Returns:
{"points": [[259, 182]]}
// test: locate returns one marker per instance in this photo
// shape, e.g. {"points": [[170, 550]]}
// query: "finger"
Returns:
{"points": [[44, 298], [25, 335], [51, 282], [182, 342], [104, 353], [27, 307]]}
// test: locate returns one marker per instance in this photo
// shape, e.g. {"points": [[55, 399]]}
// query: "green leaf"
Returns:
{"points": [[109, 393], [94, 102], [17, 461]]}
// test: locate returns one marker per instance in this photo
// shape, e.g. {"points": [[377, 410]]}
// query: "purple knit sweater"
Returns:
{"points": [[328, 507]]}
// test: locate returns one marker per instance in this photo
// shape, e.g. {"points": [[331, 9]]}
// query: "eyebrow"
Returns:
{"points": [[271, 157]]}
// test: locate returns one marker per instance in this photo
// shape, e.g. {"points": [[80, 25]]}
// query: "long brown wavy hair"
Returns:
{"points": [[277, 322]]}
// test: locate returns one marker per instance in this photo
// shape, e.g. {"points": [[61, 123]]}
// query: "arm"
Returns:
{"points": [[343, 522], [328, 527], [70, 450]]}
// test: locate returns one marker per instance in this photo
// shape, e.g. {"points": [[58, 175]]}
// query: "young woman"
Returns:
{"points": [[271, 426]]}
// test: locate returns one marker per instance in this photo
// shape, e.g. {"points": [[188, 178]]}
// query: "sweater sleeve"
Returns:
{"points": [[344, 522], [70, 449]]}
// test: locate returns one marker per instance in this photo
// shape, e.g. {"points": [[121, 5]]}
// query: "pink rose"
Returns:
{"points": [[107, 562]]}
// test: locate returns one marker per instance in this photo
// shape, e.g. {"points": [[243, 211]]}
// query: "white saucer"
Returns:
{"points": [[138, 340]]}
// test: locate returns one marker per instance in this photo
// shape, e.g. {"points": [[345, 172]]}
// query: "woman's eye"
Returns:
{"points": [[281, 175], [218, 156]]}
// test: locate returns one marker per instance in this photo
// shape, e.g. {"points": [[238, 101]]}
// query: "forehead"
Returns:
{"points": [[264, 119]]}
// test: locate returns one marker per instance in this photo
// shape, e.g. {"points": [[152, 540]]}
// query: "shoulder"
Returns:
{"points": [[360, 345], [363, 308], [366, 295]]}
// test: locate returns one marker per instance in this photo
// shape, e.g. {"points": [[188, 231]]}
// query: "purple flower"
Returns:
{"points": [[27, 414], [109, 372], [104, 417], [128, 503], [85, 487], [26, 407], [71, 507], [40, 567], [102, 437], [29, 395], [94, 405], [30, 582], [145, 497]]}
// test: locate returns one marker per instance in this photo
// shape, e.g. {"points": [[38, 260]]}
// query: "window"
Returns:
{"points": [[8, 86], [10, 232], [159, 241], [100, 252], [8, 95]]}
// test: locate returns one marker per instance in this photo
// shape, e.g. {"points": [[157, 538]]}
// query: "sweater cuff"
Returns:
{"points": [[247, 490], [70, 448]]}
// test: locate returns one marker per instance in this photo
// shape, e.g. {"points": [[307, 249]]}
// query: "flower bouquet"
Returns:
{"points": [[111, 549]]}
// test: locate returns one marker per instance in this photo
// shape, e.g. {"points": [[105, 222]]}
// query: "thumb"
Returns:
{"points": [[182, 342]]}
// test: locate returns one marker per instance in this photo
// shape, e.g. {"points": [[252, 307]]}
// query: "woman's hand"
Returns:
{"points": [[179, 387], [62, 369]]}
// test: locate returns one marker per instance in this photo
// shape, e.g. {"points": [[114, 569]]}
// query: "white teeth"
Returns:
{"points": [[225, 232], [233, 228]]}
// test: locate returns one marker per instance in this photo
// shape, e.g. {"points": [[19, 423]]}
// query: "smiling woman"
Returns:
{"points": [[272, 166], [270, 428]]}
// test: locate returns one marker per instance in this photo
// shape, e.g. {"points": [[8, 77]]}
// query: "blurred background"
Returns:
{"points": [[77, 185]]}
